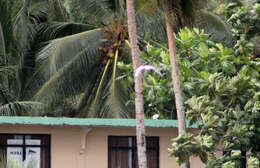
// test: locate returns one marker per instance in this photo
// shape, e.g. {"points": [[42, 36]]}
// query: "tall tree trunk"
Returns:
{"points": [[175, 75], [139, 108]]}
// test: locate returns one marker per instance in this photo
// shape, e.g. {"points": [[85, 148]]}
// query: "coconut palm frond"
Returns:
{"points": [[3, 56], [100, 12], [5, 95], [5, 22], [182, 12], [214, 26], [114, 81], [111, 102], [121, 97], [59, 51], [96, 12], [105, 107], [23, 29], [38, 11], [95, 95], [117, 108], [65, 67], [19, 108], [57, 11], [151, 26], [27, 19], [8, 70], [68, 80], [8, 79], [148, 7], [51, 30], [116, 6], [106, 97], [89, 92]]}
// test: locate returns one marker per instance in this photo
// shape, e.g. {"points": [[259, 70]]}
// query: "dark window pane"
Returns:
{"points": [[152, 157], [152, 142], [120, 141], [45, 158], [4, 138], [3, 156], [122, 157]]}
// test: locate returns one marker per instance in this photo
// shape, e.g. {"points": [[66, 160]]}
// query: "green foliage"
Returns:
{"points": [[158, 92], [245, 24], [201, 63], [253, 162], [224, 89], [227, 115]]}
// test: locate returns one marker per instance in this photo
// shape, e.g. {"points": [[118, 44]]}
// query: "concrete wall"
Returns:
{"points": [[80, 147]]}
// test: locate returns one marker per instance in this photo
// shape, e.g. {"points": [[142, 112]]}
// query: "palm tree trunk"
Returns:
{"points": [[175, 75], [139, 108]]}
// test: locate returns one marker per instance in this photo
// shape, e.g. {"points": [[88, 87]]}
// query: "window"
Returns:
{"points": [[30, 150], [122, 152]]}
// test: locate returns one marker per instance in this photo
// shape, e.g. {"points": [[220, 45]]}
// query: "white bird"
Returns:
{"points": [[144, 68], [155, 116]]}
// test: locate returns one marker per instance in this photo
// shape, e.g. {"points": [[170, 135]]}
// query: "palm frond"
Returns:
{"points": [[89, 92], [100, 12], [57, 11], [96, 12], [51, 30], [106, 97], [114, 80], [146, 6], [23, 29], [22, 108], [3, 56], [38, 11], [151, 26], [60, 51], [6, 95], [24, 32], [64, 67], [6, 23], [214, 26], [103, 107], [68, 80]]}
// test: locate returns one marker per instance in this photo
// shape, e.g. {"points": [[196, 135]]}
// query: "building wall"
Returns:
{"points": [[98, 137], [68, 149]]}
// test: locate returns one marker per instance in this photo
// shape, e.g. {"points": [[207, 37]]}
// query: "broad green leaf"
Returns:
{"points": [[235, 154], [204, 51], [253, 162], [205, 75]]}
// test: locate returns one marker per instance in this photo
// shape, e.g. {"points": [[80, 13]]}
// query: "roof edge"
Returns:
{"points": [[107, 122]]}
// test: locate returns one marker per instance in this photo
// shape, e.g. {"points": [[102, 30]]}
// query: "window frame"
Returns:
{"points": [[133, 148], [24, 146]]}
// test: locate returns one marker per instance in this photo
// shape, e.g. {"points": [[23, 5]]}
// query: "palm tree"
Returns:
{"points": [[184, 12], [74, 73], [175, 72], [12, 56], [20, 22], [76, 68], [139, 106]]}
